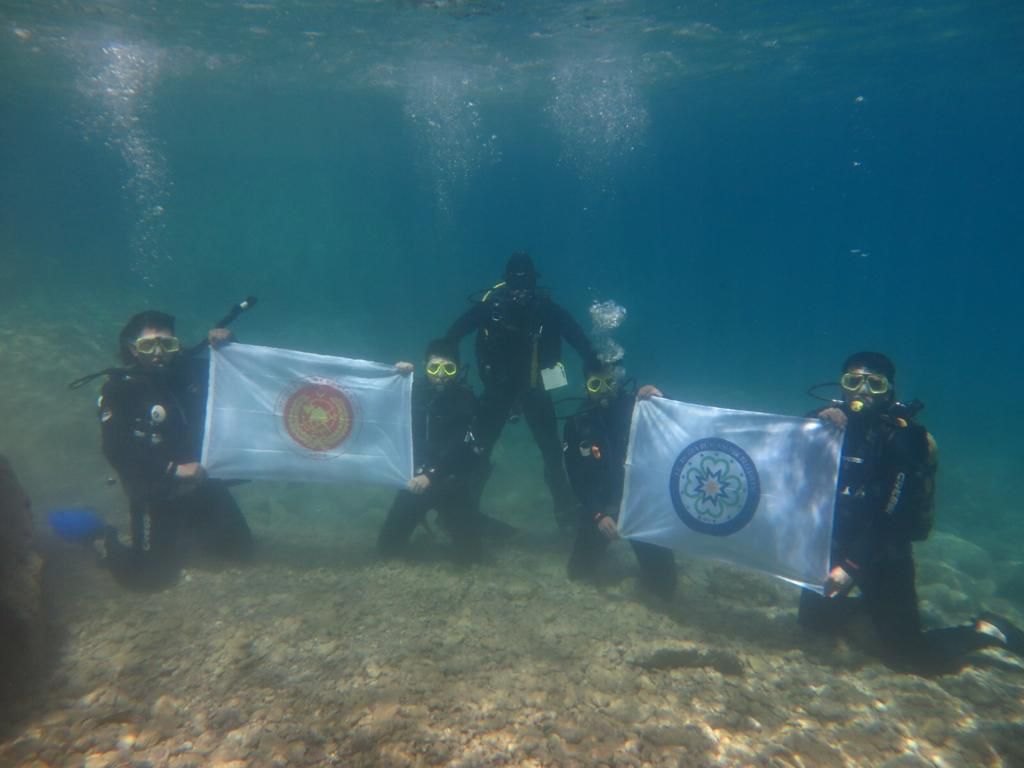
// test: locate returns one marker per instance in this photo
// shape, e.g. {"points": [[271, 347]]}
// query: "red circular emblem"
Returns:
{"points": [[318, 416]]}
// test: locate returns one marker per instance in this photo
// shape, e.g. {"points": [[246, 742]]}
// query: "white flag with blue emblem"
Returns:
{"points": [[277, 414], [752, 489]]}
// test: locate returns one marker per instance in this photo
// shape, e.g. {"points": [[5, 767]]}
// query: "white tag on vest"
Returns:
{"points": [[554, 377]]}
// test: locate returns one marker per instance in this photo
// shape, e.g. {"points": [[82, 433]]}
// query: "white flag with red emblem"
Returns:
{"points": [[278, 414], [752, 489]]}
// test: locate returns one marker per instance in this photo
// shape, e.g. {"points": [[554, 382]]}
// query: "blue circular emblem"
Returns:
{"points": [[715, 487]]}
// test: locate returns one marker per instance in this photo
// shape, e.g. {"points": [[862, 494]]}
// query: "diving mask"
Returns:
{"points": [[151, 345], [853, 382], [597, 384], [439, 368]]}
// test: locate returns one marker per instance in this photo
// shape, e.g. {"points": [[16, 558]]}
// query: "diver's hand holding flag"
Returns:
{"points": [[752, 489], [278, 414]]}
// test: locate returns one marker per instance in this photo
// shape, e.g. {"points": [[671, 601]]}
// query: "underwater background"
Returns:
{"points": [[765, 187]]}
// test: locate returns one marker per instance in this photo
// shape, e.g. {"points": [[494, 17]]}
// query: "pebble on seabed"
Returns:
{"points": [[360, 666]]}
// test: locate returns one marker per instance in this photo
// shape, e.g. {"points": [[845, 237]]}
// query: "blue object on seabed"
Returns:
{"points": [[76, 523]]}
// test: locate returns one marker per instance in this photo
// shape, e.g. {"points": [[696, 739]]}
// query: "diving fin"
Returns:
{"points": [[1011, 636], [76, 523]]}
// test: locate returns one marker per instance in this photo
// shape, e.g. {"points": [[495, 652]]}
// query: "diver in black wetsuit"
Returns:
{"points": [[884, 503], [449, 464], [152, 417], [519, 332], [596, 439]]}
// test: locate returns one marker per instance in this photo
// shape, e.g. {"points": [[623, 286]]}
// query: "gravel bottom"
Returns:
{"points": [[318, 654]]}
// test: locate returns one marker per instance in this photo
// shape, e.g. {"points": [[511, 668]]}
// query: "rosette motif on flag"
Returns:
{"points": [[752, 489]]}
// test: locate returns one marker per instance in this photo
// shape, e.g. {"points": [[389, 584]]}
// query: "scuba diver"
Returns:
{"points": [[885, 501], [449, 463], [519, 332], [596, 440], [152, 415]]}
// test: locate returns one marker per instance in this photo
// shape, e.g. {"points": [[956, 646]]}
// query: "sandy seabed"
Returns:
{"points": [[320, 654]]}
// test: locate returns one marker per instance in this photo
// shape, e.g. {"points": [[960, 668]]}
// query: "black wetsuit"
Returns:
{"points": [[885, 490], [596, 440], [151, 422], [445, 450], [514, 343]]}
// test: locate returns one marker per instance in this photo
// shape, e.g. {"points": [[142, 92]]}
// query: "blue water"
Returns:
{"points": [[765, 187]]}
